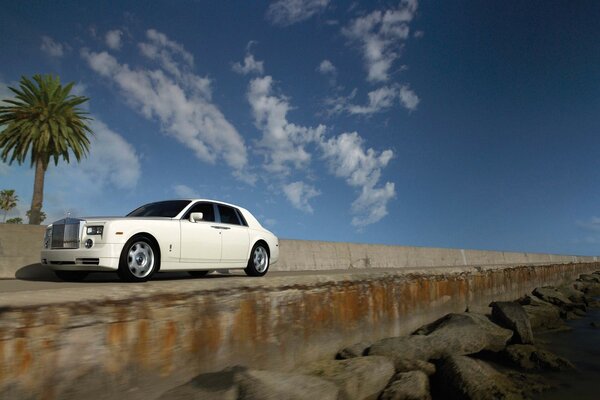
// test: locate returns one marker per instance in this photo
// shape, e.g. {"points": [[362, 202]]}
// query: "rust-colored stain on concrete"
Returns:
{"points": [[169, 338], [23, 356]]}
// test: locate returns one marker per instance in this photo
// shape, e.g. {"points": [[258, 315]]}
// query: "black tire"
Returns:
{"points": [[71, 276], [140, 259], [259, 262], [198, 274]]}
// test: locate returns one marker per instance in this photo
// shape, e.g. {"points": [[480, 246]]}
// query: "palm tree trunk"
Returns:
{"points": [[38, 193]]}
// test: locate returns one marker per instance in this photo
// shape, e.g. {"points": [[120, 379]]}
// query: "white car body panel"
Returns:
{"points": [[183, 245]]}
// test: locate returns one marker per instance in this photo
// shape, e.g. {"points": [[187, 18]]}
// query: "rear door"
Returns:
{"points": [[235, 235], [200, 241]]}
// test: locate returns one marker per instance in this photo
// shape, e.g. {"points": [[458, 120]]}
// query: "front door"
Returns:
{"points": [[200, 241]]}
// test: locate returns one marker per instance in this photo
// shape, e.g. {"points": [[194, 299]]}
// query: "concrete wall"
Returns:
{"points": [[136, 341], [20, 246]]}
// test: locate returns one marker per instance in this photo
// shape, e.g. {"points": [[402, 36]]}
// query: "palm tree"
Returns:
{"points": [[43, 122], [8, 201]]}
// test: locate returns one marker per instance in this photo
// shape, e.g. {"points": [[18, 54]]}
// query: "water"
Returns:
{"points": [[581, 346]]}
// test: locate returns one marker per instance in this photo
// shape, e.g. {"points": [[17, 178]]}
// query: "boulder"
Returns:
{"points": [[511, 315], [358, 377], [412, 385], [407, 365], [542, 315], [590, 288], [589, 278], [356, 350], [529, 357], [464, 333], [462, 377], [258, 385], [550, 295], [250, 384], [211, 386], [575, 295]]}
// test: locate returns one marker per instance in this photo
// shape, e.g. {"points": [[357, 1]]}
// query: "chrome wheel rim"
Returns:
{"points": [[260, 259], [140, 259]]}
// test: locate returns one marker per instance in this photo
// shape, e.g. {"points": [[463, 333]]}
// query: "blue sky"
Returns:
{"points": [[450, 124]]}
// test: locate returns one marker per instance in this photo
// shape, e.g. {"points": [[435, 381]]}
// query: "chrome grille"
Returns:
{"points": [[65, 233]]}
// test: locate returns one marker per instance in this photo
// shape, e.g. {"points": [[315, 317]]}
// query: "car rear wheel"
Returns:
{"points": [[139, 259], [198, 274], [258, 264], [71, 276]]}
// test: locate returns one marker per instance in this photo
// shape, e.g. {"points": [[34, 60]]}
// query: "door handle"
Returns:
{"points": [[220, 227]]}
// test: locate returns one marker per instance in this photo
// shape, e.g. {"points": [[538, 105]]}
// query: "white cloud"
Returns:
{"points": [[113, 39], [408, 98], [283, 142], [178, 99], [185, 192], [360, 168], [593, 224], [289, 12], [299, 194], [250, 65], [326, 67], [385, 97], [112, 160], [380, 34], [51, 47]]}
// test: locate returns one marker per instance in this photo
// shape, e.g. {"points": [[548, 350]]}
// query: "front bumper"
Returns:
{"points": [[103, 257]]}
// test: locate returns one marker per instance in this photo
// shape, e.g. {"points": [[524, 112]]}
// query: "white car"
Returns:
{"points": [[175, 235]]}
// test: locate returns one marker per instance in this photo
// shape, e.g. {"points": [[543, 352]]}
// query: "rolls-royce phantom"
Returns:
{"points": [[176, 235]]}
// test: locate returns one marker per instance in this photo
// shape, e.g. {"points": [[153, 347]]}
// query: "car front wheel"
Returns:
{"points": [[139, 260], [258, 264]]}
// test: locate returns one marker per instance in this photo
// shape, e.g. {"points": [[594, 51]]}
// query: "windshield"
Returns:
{"points": [[160, 209]]}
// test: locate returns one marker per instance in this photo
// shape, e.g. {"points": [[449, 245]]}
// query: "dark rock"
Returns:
{"points": [[357, 378], [249, 384], [591, 288], [464, 333], [595, 324], [575, 295], [551, 295], [511, 315], [464, 377], [211, 386], [589, 278], [356, 350], [531, 358], [407, 365], [408, 386], [542, 315], [258, 385]]}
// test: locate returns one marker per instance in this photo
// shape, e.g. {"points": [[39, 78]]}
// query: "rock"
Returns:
{"points": [[529, 357], [551, 295], [575, 295], [357, 378], [595, 324], [464, 333], [412, 385], [542, 315], [464, 377], [511, 315], [250, 384], [591, 288], [407, 365], [211, 386], [589, 278], [356, 350], [258, 385]]}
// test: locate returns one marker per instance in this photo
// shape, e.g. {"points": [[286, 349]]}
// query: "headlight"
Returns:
{"points": [[47, 238], [94, 230]]}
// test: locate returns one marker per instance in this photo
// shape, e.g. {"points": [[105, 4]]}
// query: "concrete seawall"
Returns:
{"points": [[136, 341], [20, 246]]}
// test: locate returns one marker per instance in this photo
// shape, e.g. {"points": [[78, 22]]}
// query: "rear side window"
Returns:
{"points": [[228, 215], [206, 209]]}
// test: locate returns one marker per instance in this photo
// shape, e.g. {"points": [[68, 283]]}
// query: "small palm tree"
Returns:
{"points": [[8, 201], [43, 122]]}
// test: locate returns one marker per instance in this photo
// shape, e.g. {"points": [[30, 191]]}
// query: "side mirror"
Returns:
{"points": [[196, 216]]}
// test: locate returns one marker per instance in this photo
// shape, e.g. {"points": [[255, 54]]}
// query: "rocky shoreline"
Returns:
{"points": [[459, 356]]}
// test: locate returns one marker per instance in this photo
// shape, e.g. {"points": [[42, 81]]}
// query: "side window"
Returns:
{"points": [[228, 215], [241, 217], [206, 209]]}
